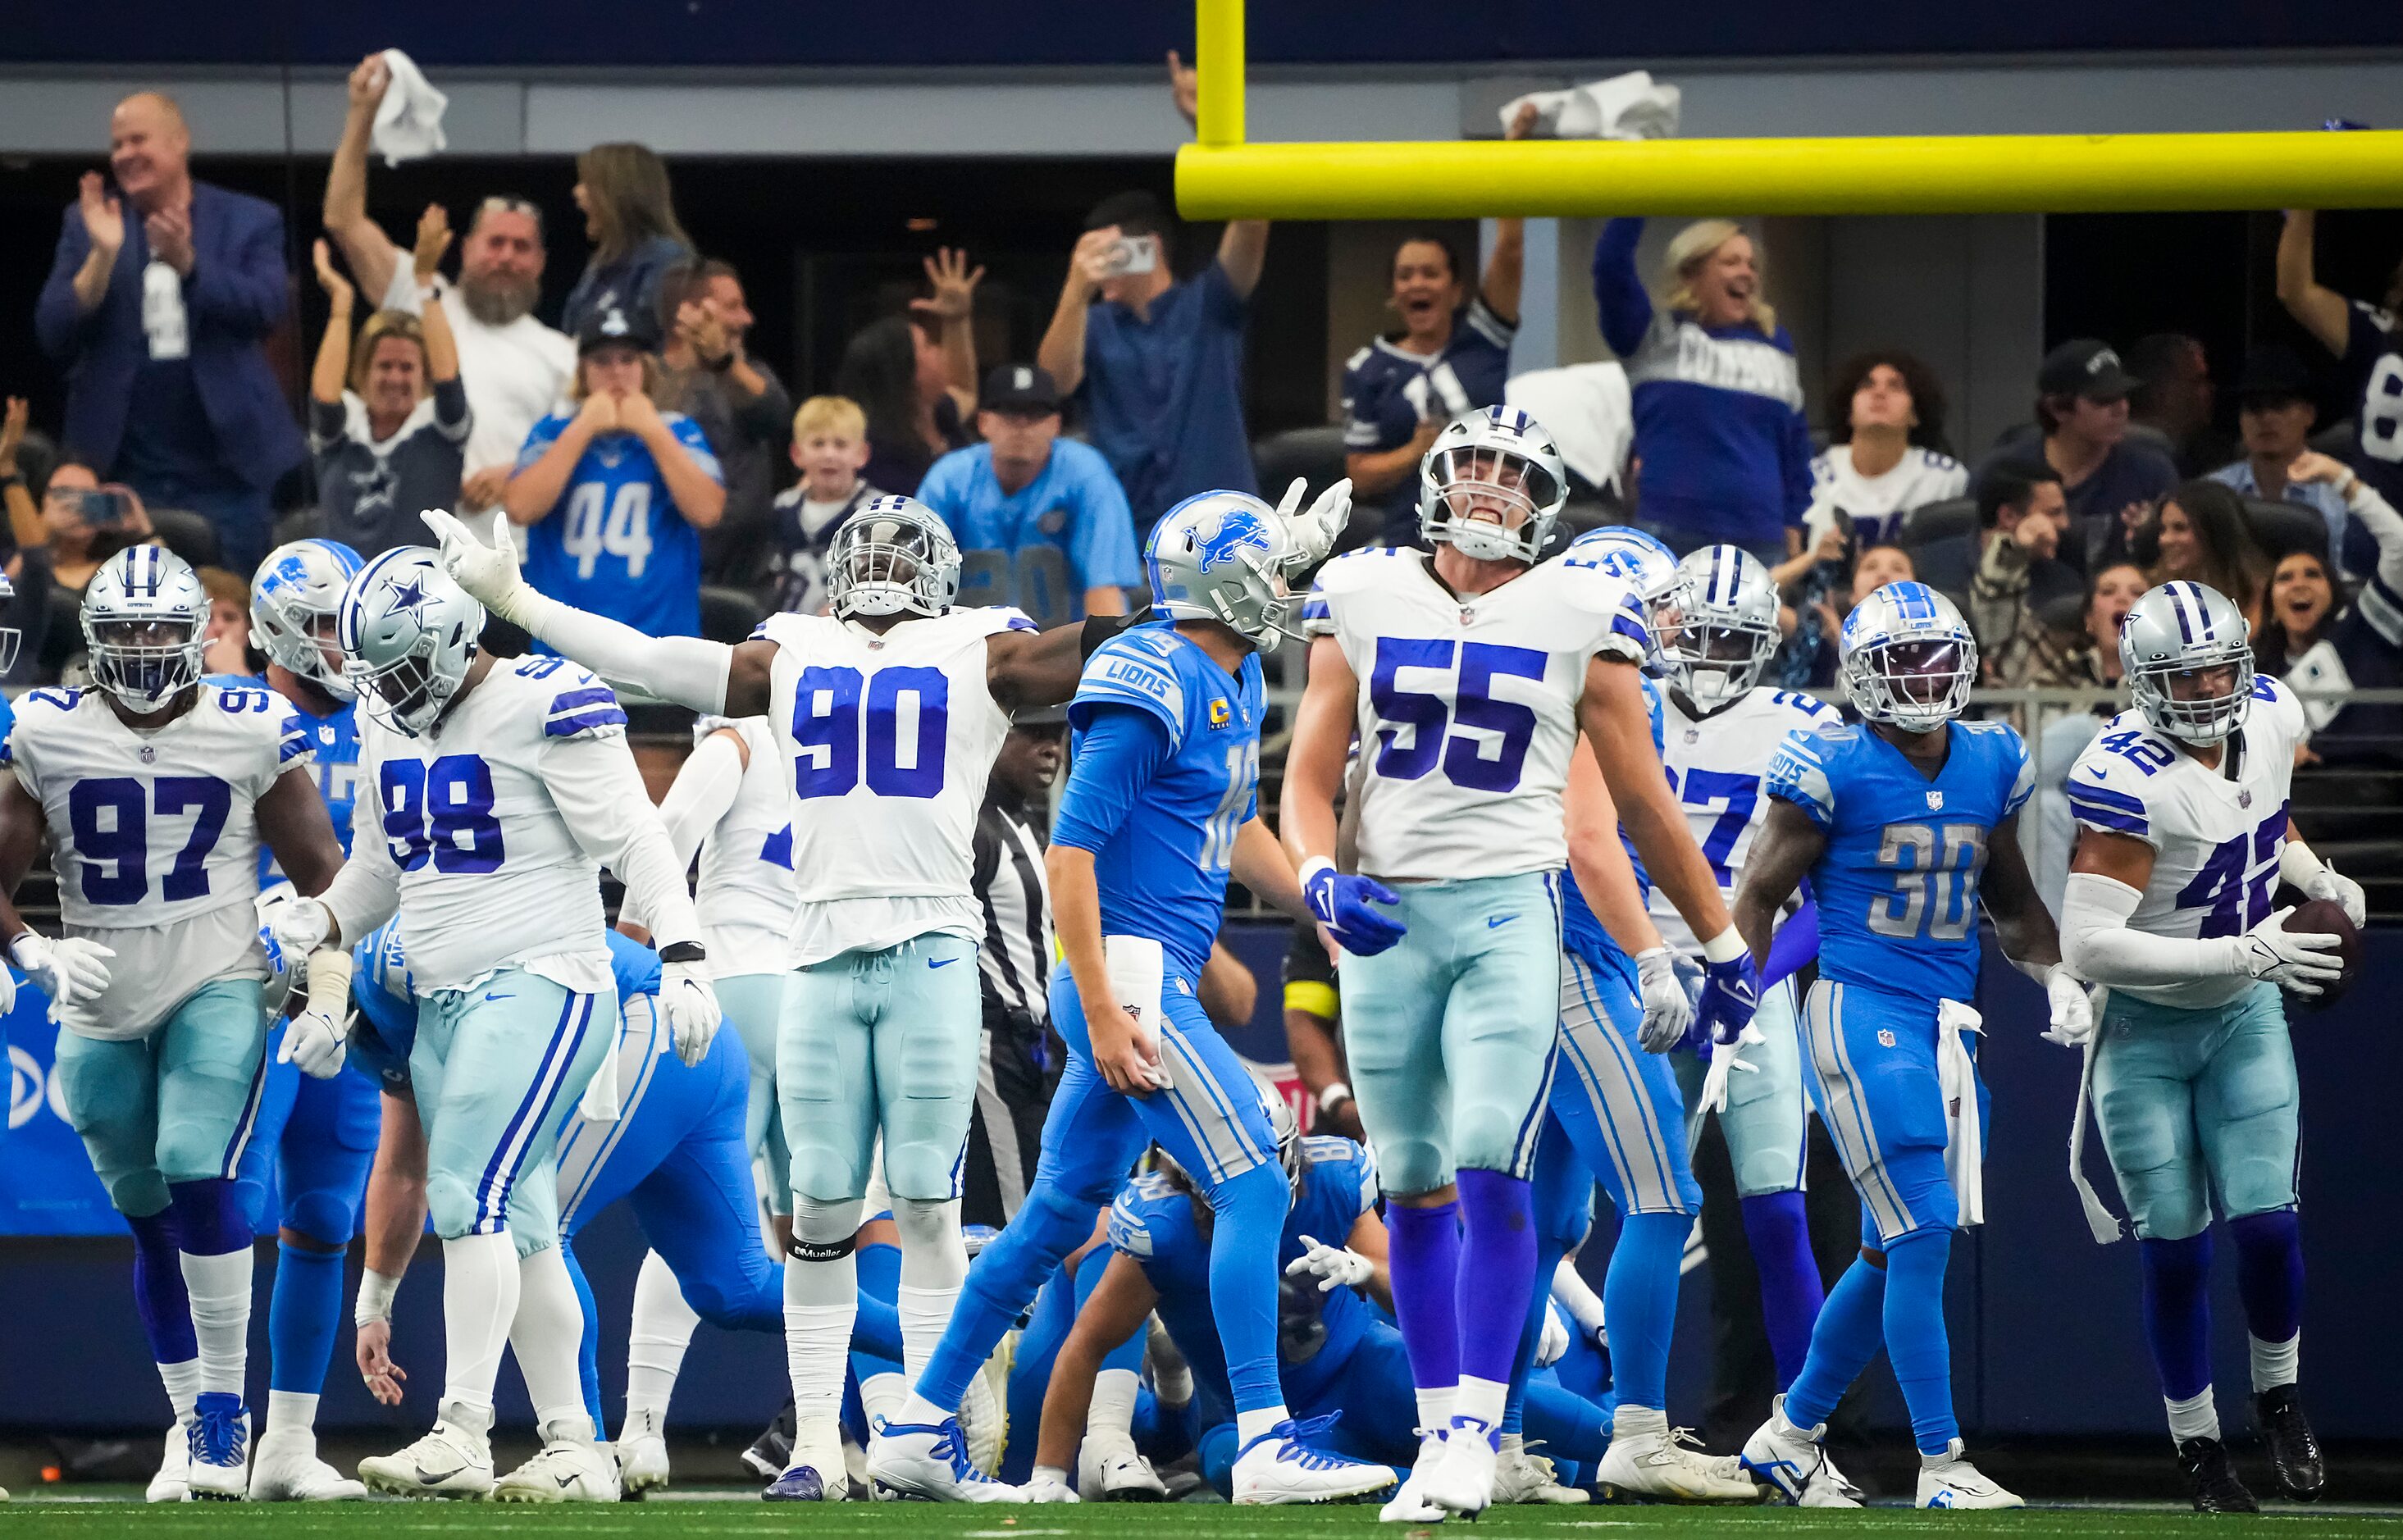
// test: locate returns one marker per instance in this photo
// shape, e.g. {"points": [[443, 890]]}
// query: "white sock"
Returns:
{"points": [[655, 1346], [919, 1411], [1172, 1377], [219, 1288], [480, 1300], [1577, 1296], [2275, 1363], [547, 1335], [2193, 1418], [1482, 1399], [821, 1303], [1434, 1408], [1113, 1406], [1632, 1421], [933, 1268], [183, 1382], [884, 1396], [291, 1414], [1256, 1425]]}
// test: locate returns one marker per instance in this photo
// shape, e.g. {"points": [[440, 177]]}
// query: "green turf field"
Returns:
{"points": [[70, 1521]]}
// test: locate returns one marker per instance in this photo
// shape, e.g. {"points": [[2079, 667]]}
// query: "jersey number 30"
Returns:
{"points": [[1465, 762], [1936, 886], [896, 720]]}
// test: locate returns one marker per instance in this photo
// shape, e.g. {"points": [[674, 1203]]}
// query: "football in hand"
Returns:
{"points": [[2327, 917]]}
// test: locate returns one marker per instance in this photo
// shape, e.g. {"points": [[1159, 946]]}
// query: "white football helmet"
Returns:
{"points": [[894, 555], [292, 604], [1492, 486], [144, 612], [2179, 634], [408, 633], [1220, 556], [1726, 631], [1906, 658]]}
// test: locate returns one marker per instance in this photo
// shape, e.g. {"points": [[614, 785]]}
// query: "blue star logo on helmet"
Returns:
{"points": [[1236, 530], [409, 595]]}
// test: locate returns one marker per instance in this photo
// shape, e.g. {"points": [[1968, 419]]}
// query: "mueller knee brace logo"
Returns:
{"points": [[824, 1251]]}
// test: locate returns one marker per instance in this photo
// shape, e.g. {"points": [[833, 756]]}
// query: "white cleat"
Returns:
{"points": [[455, 1460], [219, 1436], [173, 1482], [1648, 1460], [1949, 1481], [1831, 1487], [1521, 1476], [1410, 1506], [287, 1469], [570, 1467], [1109, 1469], [1790, 1462], [1278, 1468], [928, 1462], [1463, 1482], [984, 1411], [642, 1464]]}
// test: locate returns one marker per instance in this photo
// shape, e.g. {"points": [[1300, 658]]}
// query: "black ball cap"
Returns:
{"points": [[2085, 367]]}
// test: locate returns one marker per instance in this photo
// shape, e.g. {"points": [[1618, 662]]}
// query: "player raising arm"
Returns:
{"points": [[2180, 806]]}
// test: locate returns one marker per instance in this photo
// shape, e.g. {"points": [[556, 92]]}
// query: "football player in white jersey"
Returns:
{"points": [[2180, 806], [1467, 674], [888, 714], [156, 790], [500, 788], [1719, 730]]}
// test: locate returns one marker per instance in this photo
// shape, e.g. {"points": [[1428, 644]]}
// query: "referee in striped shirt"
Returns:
{"points": [[1021, 1056]]}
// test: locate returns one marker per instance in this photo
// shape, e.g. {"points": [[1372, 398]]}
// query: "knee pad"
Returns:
{"points": [[192, 1149], [328, 1216], [137, 1193], [917, 1170], [1409, 1167], [1058, 1221], [451, 1204], [824, 1231], [926, 1222]]}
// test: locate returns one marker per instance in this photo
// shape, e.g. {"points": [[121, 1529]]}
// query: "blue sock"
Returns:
{"points": [[1850, 1331], [211, 1219], [1916, 1344], [1424, 1263], [1790, 1294], [879, 1274], [1548, 1252], [1639, 1300], [1246, 1210], [2177, 1312], [588, 1350], [2270, 1273], [1569, 1426], [159, 1295], [1216, 1459], [303, 1317], [878, 1329], [1004, 1280], [1497, 1212]]}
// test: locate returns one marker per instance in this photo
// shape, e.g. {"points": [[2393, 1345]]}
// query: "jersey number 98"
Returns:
{"points": [[1465, 762], [896, 720], [1935, 890], [441, 811]]}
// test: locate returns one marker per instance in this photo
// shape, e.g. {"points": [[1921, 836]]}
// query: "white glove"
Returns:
{"points": [[301, 927], [68, 970], [1335, 1267], [7, 992], [1048, 1484], [489, 573], [691, 1008], [318, 1039], [1667, 1010], [2328, 883], [1726, 1059], [1314, 530], [2304, 962], [1553, 1341], [2073, 1010]]}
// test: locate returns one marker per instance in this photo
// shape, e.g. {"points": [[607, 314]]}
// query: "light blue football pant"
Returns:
{"points": [[1619, 1106], [1450, 1032], [2200, 1109], [881, 1041], [1871, 1059], [498, 1071], [1768, 1110], [754, 1003], [177, 1105]]}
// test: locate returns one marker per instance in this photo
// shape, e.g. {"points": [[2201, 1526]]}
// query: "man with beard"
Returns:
{"points": [[515, 367]]}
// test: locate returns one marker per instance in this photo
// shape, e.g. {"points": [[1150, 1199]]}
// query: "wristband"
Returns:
{"points": [[683, 951], [16, 954], [1310, 869], [375, 1298], [1726, 947], [1334, 1096]]}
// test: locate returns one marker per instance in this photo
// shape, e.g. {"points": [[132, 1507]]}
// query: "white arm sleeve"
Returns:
{"points": [[2385, 526], [598, 790], [1577, 1296], [2097, 945], [704, 789], [684, 670]]}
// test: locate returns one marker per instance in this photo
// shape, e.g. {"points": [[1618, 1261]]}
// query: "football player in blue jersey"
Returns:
{"points": [[1159, 810], [319, 1134], [1903, 823]]}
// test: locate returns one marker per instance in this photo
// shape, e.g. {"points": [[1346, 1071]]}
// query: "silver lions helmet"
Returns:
{"points": [[895, 556], [1726, 629], [2187, 653], [1220, 556], [408, 633], [292, 604], [1492, 486], [144, 613], [1906, 658], [1642, 563]]}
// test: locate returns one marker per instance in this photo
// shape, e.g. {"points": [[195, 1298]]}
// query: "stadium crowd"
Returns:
{"points": [[658, 472]]}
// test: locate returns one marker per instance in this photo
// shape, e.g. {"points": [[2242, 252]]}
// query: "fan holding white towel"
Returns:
{"points": [[408, 120]]}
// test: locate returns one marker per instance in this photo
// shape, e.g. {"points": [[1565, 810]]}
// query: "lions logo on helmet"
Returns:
{"points": [[2188, 655], [895, 556], [1908, 658], [409, 633], [1492, 486], [292, 604], [144, 613], [1219, 556], [1642, 563]]}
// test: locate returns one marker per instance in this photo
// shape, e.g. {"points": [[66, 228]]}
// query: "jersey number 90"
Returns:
{"points": [[895, 722], [1936, 888]]}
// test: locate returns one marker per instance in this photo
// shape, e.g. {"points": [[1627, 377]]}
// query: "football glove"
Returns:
{"points": [[1334, 1267], [1730, 993], [2304, 962], [489, 573], [1313, 530], [2330, 884], [2073, 1010], [1726, 1059], [1342, 905], [690, 1006], [1668, 1011], [68, 970]]}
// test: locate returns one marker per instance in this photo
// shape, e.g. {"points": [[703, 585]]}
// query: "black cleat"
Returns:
{"points": [[772, 1451], [2294, 1452], [2217, 1489]]}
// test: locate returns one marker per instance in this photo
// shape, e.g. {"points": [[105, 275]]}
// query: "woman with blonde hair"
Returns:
{"points": [[1724, 449], [629, 216]]}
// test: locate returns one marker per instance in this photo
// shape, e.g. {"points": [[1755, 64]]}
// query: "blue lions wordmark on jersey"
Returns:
{"points": [[1163, 874], [1898, 886]]}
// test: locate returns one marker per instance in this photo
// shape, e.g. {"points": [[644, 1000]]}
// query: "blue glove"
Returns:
{"points": [[1342, 905], [1730, 993]]}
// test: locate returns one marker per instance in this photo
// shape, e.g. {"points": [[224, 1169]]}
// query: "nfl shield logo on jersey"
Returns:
{"points": [[1936, 801], [1885, 1034]]}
